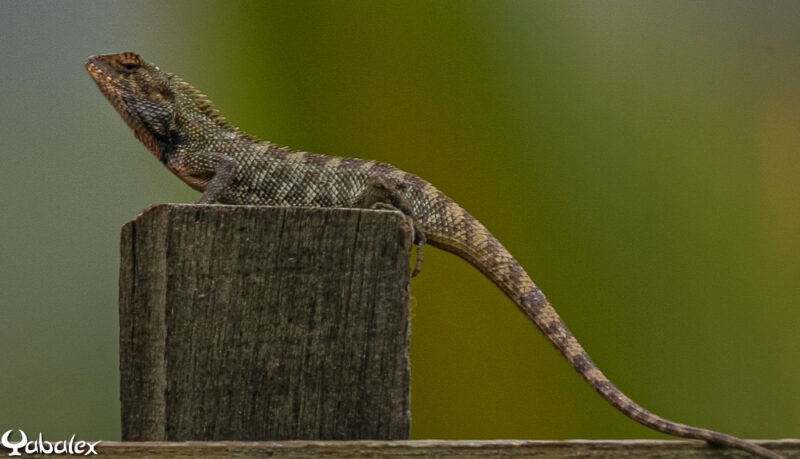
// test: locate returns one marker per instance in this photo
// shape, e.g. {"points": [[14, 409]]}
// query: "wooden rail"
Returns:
{"points": [[688, 449]]}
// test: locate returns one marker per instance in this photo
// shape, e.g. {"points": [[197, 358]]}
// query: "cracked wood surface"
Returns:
{"points": [[263, 323]]}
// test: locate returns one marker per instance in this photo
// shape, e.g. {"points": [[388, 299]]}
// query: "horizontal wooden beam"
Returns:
{"points": [[689, 449]]}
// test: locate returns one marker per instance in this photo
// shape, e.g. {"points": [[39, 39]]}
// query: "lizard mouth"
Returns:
{"points": [[105, 81], [101, 75], [116, 91], [101, 72]]}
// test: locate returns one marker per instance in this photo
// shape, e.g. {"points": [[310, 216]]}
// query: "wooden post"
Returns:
{"points": [[259, 323]]}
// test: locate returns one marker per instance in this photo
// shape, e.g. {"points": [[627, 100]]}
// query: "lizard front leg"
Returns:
{"points": [[380, 195], [210, 173]]}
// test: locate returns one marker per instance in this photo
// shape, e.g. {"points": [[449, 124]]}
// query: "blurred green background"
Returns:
{"points": [[640, 159]]}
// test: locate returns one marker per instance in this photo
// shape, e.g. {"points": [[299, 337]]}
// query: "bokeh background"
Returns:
{"points": [[640, 159]]}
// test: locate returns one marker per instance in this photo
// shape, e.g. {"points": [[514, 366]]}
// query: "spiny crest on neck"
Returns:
{"points": [[205, 106]]}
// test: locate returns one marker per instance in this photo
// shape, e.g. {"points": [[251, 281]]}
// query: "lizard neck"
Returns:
{"points": [[197, 132]]}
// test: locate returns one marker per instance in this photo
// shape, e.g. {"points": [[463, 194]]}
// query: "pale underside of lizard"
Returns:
{"points": [[181, 128]]}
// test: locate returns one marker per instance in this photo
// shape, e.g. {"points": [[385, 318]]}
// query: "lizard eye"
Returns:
{"points": [[129, 66]]}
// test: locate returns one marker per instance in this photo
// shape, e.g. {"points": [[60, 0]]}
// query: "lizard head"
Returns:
{"points": [[139, 91], [156, 105]]}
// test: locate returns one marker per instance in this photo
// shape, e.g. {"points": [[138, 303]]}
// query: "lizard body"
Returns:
{"points": [[180, 127]]}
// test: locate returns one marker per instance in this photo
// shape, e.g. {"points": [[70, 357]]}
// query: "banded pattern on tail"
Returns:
{"points": [[474, 243]]}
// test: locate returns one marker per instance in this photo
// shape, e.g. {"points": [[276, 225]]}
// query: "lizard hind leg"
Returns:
{"points": [[380, 195]]}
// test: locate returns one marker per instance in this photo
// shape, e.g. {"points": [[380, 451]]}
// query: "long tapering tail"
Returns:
{"points": [[473, 242]]}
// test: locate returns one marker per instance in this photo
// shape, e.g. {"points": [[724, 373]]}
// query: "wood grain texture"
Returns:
{"points": [[667, 449], [261, 323]]}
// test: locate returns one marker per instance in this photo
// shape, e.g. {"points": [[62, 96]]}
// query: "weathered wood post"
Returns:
{"points": [[259, 323]]}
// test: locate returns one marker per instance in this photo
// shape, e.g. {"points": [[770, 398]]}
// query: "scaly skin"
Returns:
{"points": [[180, 127]]}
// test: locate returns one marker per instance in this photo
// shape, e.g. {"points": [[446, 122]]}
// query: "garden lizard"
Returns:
{"points": [[183, 130]]}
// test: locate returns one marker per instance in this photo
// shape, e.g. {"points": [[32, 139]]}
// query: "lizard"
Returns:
{"points": [[181, 127]]}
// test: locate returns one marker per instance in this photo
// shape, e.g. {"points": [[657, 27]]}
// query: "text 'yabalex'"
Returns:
{"points": [[41, 446]]}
